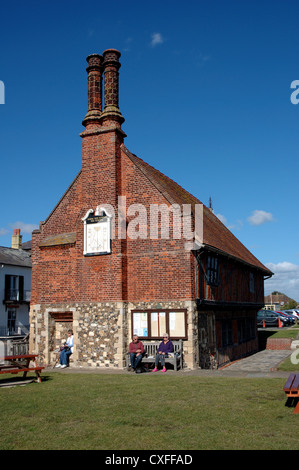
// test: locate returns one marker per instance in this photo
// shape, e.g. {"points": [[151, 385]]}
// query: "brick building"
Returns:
{"points": [[127, 250], [15, 286], [275, 301]]}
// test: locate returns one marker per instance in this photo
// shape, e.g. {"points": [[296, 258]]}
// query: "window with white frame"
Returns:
{"points": [[14, 287]]}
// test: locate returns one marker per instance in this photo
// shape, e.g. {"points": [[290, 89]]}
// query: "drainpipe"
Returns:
{"points": [[198, 254]]}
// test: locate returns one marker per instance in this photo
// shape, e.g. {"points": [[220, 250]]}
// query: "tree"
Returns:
{"points": [[290, 305]]}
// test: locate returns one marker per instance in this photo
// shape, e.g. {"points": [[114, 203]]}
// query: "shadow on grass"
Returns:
{"points": [[291, 402], [14, 381]]}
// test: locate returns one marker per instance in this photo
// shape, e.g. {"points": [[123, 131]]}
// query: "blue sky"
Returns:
{"points": [[205, 90]]}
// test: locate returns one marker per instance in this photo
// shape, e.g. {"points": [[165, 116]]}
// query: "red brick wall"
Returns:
{"points": [[156, 269], [279, 343], [136, 269]]}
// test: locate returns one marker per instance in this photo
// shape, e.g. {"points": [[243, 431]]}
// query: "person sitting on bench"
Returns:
{"points": [[136, 351], [66, 351], [164, 349]]}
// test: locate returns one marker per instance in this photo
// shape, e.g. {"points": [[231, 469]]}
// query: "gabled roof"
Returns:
{"points": [[26, 245], [215, 234], [13, 257], [277, 299]]}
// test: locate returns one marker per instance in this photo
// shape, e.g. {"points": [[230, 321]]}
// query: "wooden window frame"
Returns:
{"points": [[246, 329], [251, 283], [62, 316], [159, 310], [227, 335], [212, 270]]}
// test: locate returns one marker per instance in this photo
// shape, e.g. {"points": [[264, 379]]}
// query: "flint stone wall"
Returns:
{"points": [[99, 333], [102, 331]]}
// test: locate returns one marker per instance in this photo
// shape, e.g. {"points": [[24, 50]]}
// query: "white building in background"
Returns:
{"points": [[15, 287]]}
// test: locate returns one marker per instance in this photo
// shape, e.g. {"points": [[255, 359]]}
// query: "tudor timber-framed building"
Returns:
{"points": [[92, 273]]}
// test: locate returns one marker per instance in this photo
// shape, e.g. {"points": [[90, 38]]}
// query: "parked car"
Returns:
{"points": [[287, 315], [294, 312], [270, 318]]}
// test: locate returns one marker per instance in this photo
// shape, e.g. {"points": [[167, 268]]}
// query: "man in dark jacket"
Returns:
{"points": [[136, 351]]}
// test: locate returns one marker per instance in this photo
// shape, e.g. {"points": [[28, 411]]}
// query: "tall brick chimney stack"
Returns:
{"points": [[16, 239], [94, 70], [111, 66], [102, 136], [100, 177]]}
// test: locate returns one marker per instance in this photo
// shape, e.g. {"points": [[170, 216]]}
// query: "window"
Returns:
{"points": [[227, 332], [212, 271], [14, 287], [140, 324], [153, 323], [11, 321], [251, 283], [246, 329]]}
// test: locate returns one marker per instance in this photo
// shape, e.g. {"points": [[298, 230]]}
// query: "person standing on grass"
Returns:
{"points": [[136, 351], [66, 351], [164, 349]]}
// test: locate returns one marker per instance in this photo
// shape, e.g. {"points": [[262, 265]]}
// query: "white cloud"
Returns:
{"points": [[156, 39], [25, 228], [225, 222], [259, 217], [284, 267], [222, 218], [285, 279]]}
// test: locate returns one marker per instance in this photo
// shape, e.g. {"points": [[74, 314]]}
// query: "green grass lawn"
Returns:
{"points": [[292, 333], [288, 366], [147, 412]]}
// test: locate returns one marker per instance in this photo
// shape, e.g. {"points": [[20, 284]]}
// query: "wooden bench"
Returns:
{"points": [[291, 389], [20, 363], [151, 347]]}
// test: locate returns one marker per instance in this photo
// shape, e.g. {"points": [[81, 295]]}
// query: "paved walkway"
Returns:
{"points": [[262, 364]]}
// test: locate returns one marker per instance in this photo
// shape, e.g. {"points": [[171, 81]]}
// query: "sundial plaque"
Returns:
{"points": [[97, 233]]}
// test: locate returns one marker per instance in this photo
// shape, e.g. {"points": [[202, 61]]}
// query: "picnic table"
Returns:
{"points": [[291, 390], [20, 363]]}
